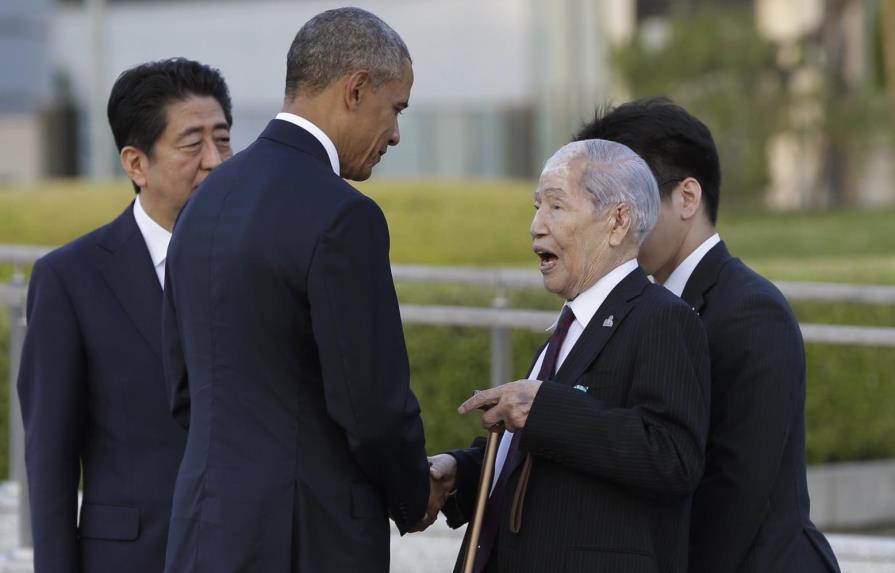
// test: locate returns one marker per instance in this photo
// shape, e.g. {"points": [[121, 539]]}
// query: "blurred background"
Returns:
{"points": [[799, 94]]}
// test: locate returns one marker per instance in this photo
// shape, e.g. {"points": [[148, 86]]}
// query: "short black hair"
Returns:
{"points": [[140, 95], [673, 143], [337, 42]]}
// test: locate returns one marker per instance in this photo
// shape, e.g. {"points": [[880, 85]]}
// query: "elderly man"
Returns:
{"points": [[284, 348], [91, 384], [750, 513], [604, 441]]}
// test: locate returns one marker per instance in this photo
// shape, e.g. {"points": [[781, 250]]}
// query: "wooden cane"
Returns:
{"points": [[484, 490]]}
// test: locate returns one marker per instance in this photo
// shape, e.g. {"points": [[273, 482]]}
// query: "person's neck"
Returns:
{"points": [[701, 230], [319, 110], [158, 211], [614, 261]]}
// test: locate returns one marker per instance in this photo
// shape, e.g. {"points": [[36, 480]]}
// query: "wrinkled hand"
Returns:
{"points": [[442, 477], [443, 473], [508, 404]]}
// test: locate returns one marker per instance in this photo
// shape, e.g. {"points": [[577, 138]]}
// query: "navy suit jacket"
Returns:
{"points": [[285, 356], [93, 398], [614, 465], [750, 512]]}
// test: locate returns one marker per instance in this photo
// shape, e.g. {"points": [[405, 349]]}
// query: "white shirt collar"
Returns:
{"points": [[679, 277], [155, 236], [324, 139], [586, 304]]}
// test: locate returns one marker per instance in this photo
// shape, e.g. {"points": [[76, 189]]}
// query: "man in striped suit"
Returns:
{"points": [[604, 442], [751, 510]]}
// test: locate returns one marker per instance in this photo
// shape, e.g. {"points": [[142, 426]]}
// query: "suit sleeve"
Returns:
{"points": [[762, 354], [360, 343], [657, 443], [460, 505], [53, 391]]}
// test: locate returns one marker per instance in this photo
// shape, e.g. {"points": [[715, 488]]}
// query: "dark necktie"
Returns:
{"points": [[496, 501]]}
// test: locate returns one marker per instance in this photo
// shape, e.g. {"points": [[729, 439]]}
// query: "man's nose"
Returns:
{"points": [[396, 136], [211, 156], [537, 227]]}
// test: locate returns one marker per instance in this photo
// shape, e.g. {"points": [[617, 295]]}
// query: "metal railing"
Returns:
{"points": [[499, 318], [519, 278], [12, 295]]}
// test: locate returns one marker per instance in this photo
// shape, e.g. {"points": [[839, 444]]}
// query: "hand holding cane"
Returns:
{"points": [[484, 489]]}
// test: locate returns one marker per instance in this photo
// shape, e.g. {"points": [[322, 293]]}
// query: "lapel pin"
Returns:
{"points": [[580, 388], [608, 322]]}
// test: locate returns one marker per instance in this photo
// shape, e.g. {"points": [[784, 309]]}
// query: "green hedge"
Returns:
{"points": [[850, 407], [850, 411]]}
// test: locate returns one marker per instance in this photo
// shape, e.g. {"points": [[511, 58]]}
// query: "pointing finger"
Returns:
{"points": [[485, 398]]}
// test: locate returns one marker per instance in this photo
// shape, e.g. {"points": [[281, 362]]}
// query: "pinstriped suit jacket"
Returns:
{"points": [[615, 466]]}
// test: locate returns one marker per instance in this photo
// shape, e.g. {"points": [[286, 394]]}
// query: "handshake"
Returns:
{"points": [[442, 481], [505, 406]]}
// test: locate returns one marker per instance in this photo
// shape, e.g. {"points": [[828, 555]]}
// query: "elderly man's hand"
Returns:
{"points": [[508, 404], [442, 479], [443, 472]]}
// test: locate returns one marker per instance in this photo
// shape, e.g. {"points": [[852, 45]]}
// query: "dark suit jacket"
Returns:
{"points": [[93, 396], [750, 513], [614, 467], [285, 356]]}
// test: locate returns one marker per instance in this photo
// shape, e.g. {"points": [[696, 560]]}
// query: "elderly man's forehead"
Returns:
{"points": [[562, 174], [568, 157]]}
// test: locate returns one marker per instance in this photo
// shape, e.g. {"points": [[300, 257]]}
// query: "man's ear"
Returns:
{"points": [[355, 88], [621, 224], [690, 198], [135, 164]]}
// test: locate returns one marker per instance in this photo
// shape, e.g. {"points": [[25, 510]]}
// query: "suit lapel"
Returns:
{"points": [[129, 271], [705, 275], [601, 327]]}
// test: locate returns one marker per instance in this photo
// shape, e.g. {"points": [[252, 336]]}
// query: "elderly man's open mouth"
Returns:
{"points": [[548, 259]]}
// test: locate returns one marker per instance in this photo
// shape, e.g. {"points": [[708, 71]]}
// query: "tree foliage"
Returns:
{"points": [[714, 62]]}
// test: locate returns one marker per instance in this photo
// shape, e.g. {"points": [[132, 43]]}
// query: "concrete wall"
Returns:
{"points": [[855, 495], [24, 86], [20, 142], [471, 67], [498, 84]]}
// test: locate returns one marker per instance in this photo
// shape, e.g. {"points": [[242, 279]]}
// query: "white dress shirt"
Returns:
{"points": [[156, 237], [584, 307], [677, 281], [324, 139]]}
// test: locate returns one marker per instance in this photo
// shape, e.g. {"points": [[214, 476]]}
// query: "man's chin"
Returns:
{"points": [[552, 285], [359, 175]]}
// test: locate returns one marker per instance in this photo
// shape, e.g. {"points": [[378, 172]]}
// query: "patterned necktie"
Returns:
{"points": [[494, 508]]}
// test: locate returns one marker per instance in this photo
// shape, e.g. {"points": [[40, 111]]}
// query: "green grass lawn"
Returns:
{"points": [[850, 411]]}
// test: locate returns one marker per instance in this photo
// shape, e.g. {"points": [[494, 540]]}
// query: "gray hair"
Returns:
{"points": [[338, 42], [614, 174]]}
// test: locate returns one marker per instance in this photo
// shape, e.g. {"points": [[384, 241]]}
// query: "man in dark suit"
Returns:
{"points": [[91, 384], [750, 512], [606, 437], [284, 349]]}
